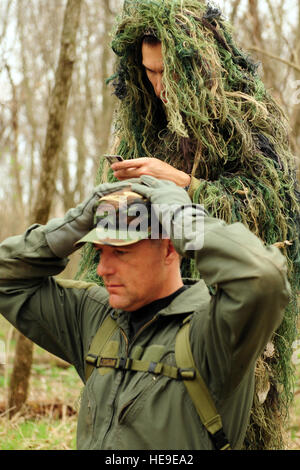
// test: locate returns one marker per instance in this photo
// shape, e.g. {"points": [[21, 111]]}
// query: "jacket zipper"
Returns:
{"points": [[126, 340], [142, 329], [113, 405], [127, 351]]}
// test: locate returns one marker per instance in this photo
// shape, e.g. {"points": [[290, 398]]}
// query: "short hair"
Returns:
{"points": [[151, 39]]}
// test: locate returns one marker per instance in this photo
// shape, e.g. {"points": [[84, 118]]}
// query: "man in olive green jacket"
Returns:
{"points": [[144, 293]]}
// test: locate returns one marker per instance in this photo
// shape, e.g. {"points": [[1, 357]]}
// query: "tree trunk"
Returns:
{"points": [[15, 164], [46, 188], [58, 106], [295, 115], [103, 118], [19, 381], [234, 9]]}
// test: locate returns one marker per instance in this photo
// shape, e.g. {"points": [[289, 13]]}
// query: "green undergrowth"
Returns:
{"points": [[37, 434]]}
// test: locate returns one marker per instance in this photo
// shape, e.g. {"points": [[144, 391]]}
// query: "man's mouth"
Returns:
{"points": [[111, 287]]}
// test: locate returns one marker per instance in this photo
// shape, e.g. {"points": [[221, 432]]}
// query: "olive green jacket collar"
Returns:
{"points": [[189, 300]]}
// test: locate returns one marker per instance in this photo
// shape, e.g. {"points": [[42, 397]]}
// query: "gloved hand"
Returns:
{"points": [[166, 199], [61, 234], [182, 221], [160, 191]]}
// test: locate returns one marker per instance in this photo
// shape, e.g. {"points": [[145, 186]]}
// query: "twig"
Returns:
{"points": [[275, 57]]}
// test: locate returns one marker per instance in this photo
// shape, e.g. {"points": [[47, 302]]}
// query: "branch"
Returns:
{"points": [[275, 57], [234, 10]]}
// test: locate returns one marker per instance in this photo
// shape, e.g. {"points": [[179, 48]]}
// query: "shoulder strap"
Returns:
{"points": [[94, 357], [100, 339], [195, 385], [198, 390]]}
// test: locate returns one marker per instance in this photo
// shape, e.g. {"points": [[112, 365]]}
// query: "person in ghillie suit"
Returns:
{"points": [[213, 121]]}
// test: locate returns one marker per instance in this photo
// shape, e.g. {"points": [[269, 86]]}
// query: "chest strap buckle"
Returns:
{"points": [[123, 363], [187, 374]]}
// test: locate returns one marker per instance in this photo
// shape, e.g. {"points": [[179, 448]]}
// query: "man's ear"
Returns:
{"points": [[170, 253]]}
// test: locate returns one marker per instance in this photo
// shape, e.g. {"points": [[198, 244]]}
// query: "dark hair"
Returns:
{"points": [[151, 39]]}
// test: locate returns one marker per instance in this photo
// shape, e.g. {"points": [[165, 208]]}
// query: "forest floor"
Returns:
{"points": [[49, 420]]}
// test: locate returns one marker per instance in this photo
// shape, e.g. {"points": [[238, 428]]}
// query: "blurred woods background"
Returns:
{"points": [[59, 163]]}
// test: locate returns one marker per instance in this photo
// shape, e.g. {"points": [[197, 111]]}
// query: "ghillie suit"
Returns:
{"points": [[223, 127]]}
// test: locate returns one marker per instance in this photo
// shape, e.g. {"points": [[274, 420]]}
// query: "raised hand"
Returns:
{"points": [[135, 168]]}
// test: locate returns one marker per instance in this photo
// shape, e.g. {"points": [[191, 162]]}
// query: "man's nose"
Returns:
{"points": [[105, 266], [158, 86]]}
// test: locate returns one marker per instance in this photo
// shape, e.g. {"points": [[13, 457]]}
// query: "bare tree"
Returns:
{"points": [[102, 115], [91, 106], [15, 164], [295, 115], [23, 357]]}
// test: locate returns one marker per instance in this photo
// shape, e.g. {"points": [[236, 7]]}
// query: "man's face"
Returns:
{"points": [[133, 275], [152, 61]]}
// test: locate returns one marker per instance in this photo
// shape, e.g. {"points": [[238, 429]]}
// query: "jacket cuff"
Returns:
{"points": [[62, 234], [188, 229], [194, 184]]}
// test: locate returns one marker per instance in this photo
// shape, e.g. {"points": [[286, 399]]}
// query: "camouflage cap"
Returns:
{"points": [[121, 218]]}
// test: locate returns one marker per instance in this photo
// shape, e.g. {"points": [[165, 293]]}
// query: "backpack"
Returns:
{"points": [[186, 371]]}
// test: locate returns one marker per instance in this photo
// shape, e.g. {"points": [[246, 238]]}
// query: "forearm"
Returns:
{"points": [[224, 253], [32, 300], [250, 281], [26, 264]]}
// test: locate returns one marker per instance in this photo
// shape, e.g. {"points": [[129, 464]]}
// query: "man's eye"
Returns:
{"points": [[121, 252]]}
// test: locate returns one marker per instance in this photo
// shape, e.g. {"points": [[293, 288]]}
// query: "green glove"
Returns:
{"points": [[61, 234], [161, 191], [182, 221]]}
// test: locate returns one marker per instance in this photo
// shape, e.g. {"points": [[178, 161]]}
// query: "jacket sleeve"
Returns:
{"points": [[32, 299], [250, 293]]}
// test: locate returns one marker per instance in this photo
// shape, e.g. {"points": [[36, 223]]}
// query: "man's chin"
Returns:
{"points": [[120, 303], [117, 302]]}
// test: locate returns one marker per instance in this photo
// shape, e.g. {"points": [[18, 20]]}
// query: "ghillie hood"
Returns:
{"points": [[216, 100], [219, 124]]}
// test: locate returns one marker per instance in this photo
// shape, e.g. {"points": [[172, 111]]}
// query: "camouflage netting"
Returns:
{"points": [[223, 127]]}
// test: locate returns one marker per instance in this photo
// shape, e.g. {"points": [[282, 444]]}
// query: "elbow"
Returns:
{"points": [[272, 289]]}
